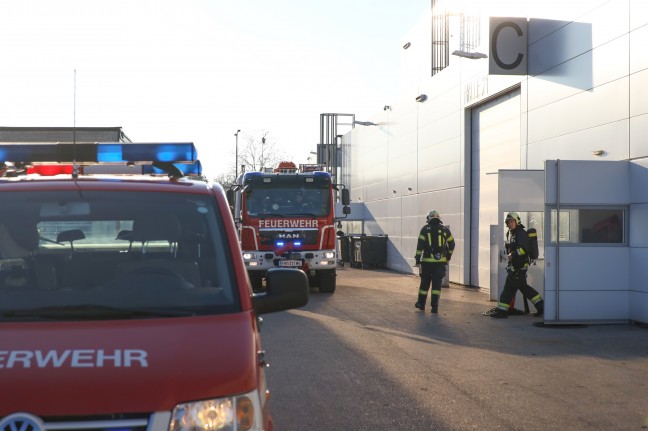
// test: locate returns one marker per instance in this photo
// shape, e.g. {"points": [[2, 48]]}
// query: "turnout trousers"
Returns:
{"points": [[518, 281], [432, 273]]}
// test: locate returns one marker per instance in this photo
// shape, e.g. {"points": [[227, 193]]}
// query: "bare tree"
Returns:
{"points": [[257, 151]]}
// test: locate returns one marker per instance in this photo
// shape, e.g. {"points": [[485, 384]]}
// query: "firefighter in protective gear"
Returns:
{"points": [[517, 249], [433, 252]]}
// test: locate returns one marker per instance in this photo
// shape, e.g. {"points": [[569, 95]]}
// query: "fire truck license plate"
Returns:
{"points": [[289, 263]]}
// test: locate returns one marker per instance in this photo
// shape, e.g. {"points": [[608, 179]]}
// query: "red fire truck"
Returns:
{"points": [[286, 219]]}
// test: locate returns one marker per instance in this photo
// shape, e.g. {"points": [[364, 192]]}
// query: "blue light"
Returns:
{"points": [[194, 168], [321, 174], [297, 243], [12, 152], [151, 152], [280, 243], [253, 174], [109, 152]]}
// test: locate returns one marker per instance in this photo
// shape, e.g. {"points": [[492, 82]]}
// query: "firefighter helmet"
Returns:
{"points": [[513, 216], [432, 215]]}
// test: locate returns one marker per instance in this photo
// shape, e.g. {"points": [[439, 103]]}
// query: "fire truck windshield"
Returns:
{"points": [[262, 202]]}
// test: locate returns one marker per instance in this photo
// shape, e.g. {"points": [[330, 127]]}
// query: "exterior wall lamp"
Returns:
{"points": [[421, 98]]}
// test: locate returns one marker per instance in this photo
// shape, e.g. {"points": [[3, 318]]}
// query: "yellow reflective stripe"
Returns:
{"points": [[450, 238], [436, 292], [536, 298], [421, 237], [440, 237], [503, 306], [433, 260], [429, 240], [533, 234], [418, 252], [422, 292], [521, 252]]}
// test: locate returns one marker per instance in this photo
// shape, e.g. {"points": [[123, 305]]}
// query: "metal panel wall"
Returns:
{"points": [[587, 92], [587, 182], [585, 283], [638, 222]]}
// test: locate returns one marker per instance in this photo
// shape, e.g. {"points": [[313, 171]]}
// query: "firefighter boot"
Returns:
{"points": [[498, 313], [539, 309], [435, 304], [420, 306]]}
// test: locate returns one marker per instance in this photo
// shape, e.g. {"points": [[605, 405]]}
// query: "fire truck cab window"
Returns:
{"points": [[287, 201]]}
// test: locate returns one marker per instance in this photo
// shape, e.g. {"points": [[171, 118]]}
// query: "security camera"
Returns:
{"points": [[387, 108]]}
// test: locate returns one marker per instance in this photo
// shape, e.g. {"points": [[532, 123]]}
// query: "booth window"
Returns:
{"points": [[589, 226]]}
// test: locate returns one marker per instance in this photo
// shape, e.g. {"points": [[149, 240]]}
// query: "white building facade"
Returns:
{"points": [[528, 106]]}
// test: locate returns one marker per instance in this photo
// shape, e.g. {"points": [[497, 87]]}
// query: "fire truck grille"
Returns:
{"points": [[306, 237]]}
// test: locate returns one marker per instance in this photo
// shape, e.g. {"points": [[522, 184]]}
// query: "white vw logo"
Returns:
{"points": [[21, 422]]}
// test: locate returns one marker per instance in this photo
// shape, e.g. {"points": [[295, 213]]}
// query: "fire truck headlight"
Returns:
{"points": [[242, 412], [328, 255], [248, 256]]}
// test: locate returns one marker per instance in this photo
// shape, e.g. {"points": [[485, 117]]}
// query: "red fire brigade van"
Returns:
{"points": [[124, 300]]}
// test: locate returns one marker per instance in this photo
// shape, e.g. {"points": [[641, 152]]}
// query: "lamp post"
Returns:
{"points": [[236, 156], [262, 162]]}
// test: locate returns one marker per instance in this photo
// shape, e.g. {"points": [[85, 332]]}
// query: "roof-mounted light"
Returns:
{"points": [[186, 169], [321, 174], [98, 152], [49, 170], [151, 152]]}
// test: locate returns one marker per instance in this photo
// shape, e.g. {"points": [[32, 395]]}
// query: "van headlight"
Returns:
{"points": [[239, 413], [328, 254]]}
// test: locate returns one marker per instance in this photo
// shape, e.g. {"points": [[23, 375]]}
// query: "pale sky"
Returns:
{"points": [[199, 70]]}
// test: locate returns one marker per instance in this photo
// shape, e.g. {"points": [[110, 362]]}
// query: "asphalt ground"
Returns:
{"points": [[596, 375]]}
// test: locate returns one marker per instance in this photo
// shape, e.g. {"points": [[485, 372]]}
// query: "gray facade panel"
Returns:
{"points": [[639, 93], [611, 138], [638, 46], [600, 66], [639, 176], [585, 94], [638, 14], [638, 132], [605, 104]]}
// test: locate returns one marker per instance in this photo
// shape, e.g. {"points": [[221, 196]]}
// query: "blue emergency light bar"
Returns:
{"points": [[194, 168], [98, 152]]}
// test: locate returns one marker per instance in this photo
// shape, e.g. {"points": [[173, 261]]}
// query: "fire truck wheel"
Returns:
{"points": [[327, 281], [256, 278]]}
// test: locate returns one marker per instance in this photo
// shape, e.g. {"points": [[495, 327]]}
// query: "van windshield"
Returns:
{"points": [[66, 255]]}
